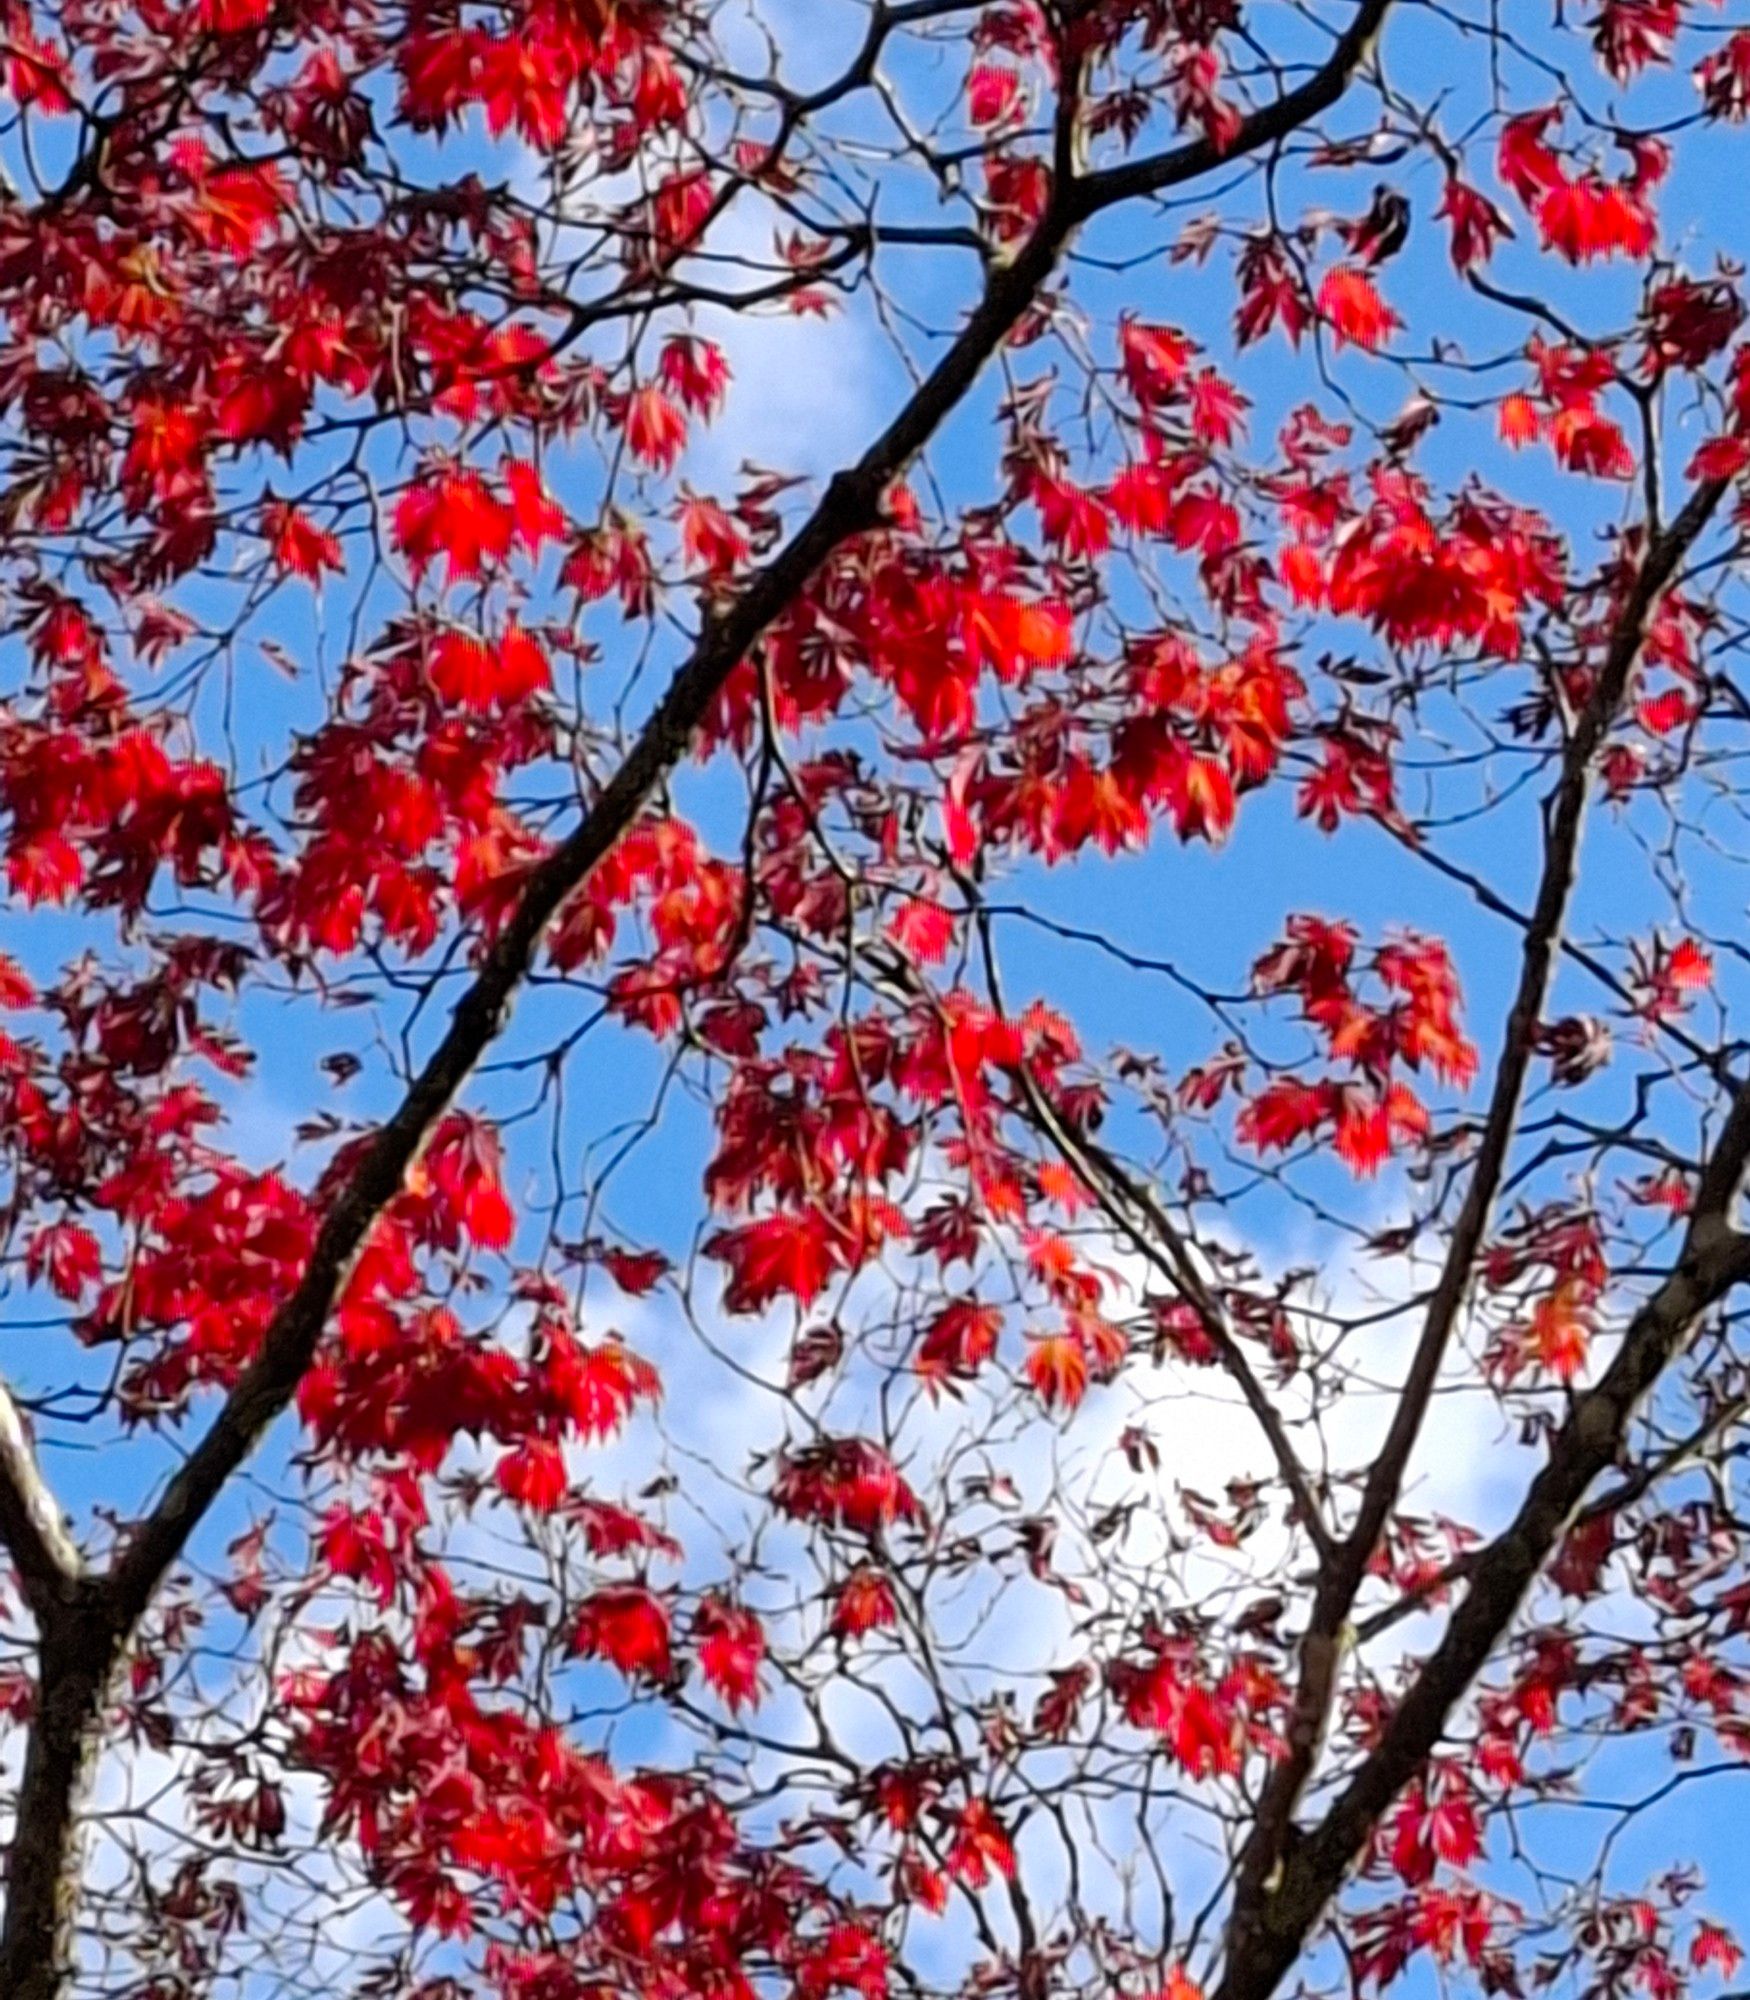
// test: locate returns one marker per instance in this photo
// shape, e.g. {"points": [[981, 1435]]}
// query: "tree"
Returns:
{"points": [[669, 1095]]}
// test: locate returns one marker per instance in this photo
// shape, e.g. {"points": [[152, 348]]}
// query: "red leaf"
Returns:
{"points": [[299, 545], [731, 1648], [67, 1255], [1057, 1367], [779, 1256], [628, 1627], [534, 1475], [454, 515], [863, 1603], [961, 1339], [1354, 309]]}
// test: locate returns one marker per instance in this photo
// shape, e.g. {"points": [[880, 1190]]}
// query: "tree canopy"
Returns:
{"points": [[869, 1122]]}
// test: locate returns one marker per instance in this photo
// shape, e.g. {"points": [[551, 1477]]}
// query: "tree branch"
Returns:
{"points": [[1323, 1644], [31, 1523], [1136, 178], [1565, 821], [850, 506], [1150, 1231], [1714, 1259], [36, 1940]]}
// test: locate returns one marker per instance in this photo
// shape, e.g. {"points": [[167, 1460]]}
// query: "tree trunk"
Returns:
{"points": [[77, 1655]]}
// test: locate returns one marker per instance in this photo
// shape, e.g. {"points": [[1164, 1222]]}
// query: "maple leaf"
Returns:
{"points": [[710, 537], [636, 1272], [655, 428], [731, 1646], [778, 1256], [453, 514], [979, 1845], [1689, 967], [1519, 421], [300, 546], [1302, 572], [993, 93], [628, 1626], [1282, 1113], [1592, 218], [1713, 1945], [923, 929], [849, 1957], [265, 405], [1057, 1368], [462, 669], [961, 1339], [234, 209], [16, 988], [1350, 303], [1217, 408], [519, 84], [1203, 801], [1719, 458], [697, 372], [534, 1475], [1013, 636], [1477, 224], [1559, 1336], [1662, 713], [1526, 164], [1724, 77], [597, 1386], [863, 1603], [67, 1255], [536, 517]]}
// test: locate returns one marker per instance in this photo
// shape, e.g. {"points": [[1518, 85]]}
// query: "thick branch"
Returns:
{"points": [[1565, 812], [1714, 1259], [77, 1654], [1278, 120], [31, 1525], [1565, 819], [851, 506], [35, 1943]]}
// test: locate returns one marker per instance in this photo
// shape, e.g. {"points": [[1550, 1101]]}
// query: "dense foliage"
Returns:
{"points": [[869, 1121]]}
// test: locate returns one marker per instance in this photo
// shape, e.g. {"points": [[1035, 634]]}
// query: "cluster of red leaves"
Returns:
{"points": [[693, 907], [466, 1809], [1434, 1824], [1564, 408], [1210, 1722], [844, 1482], [1724, 78], [1582, 216], [821, 1134], [1368, 1114], [939, 1843], [1561, 1248], [1451, 1926], [1469, 577], [398, 793], [246, 308], [529, 78], [214, 1251], [95, 799]]}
